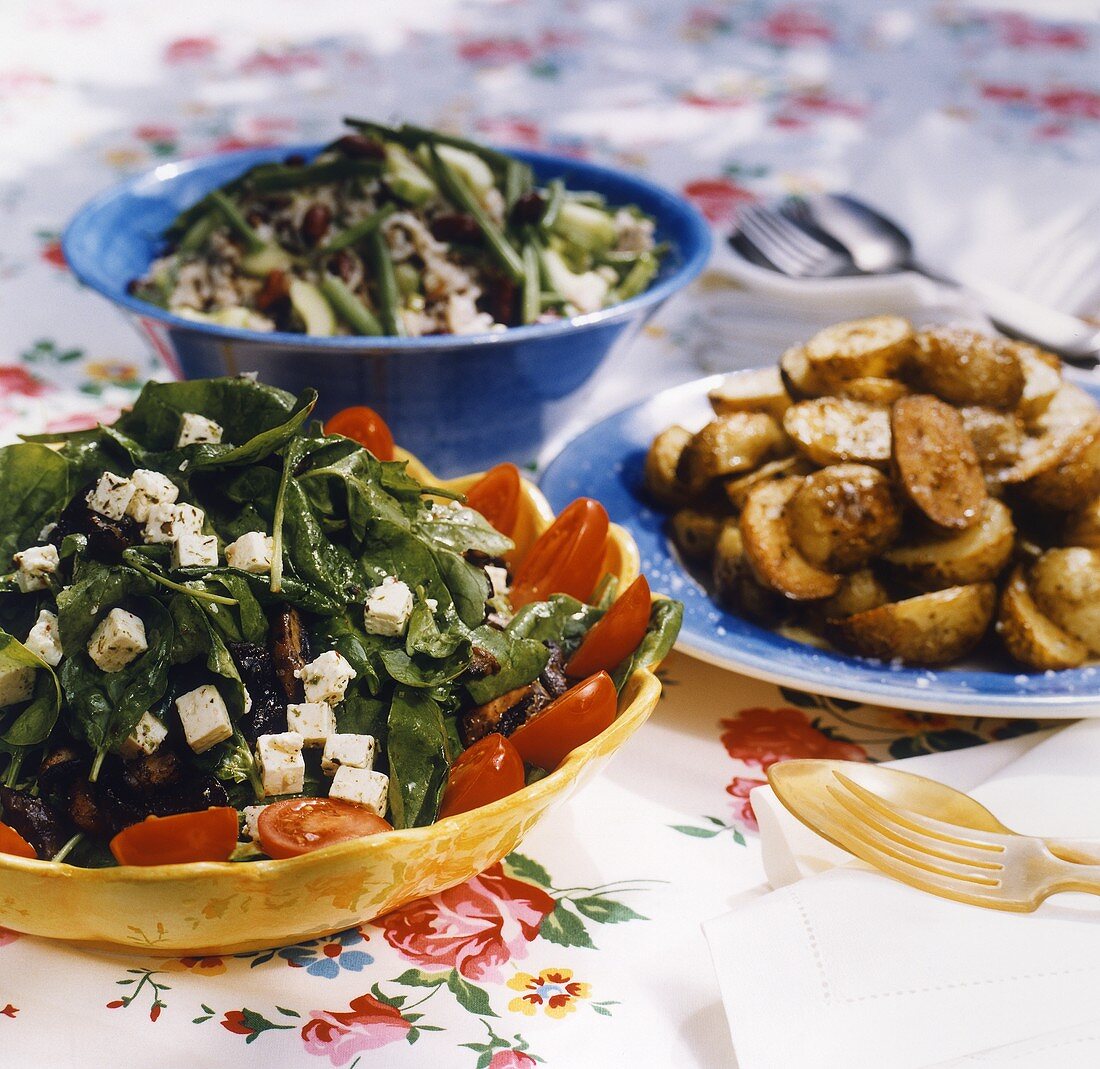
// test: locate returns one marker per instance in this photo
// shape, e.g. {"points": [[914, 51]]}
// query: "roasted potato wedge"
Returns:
{"points": [[1083, 526], [936, 463], [737, 488], [859, 591], [1042, 380], [974, 555], [929, 629], [875, 347], [760, 390], [874, 391], [998, 437], [1068, 410], [1073, 477], [661, 482], [966, 367], [832, 430], [843, 515], [1065, 584], [729, 563], [695, 532], [798, 377], [727, 445], [1029, 636], [769, 551]]}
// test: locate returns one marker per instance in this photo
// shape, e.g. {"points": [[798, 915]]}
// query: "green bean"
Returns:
{"points": [[233, 217], [348, 307], [277, 177], [198, 233], [549, 289], [532, 284], [389, 309], [455, 188], [638, 277], [518, 179], [555, 194], [412, 136], [360, 230]]}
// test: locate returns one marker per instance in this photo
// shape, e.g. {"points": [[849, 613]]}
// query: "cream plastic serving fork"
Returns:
{"points": [[931, 836]]}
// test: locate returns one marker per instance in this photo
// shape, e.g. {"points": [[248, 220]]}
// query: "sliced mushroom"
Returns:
{"points": [[33, 818], [290, 649]]}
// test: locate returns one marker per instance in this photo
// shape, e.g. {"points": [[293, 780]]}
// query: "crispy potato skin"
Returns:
{"points": [[799, 379], [760, 390], [874, 391], [1065, 584], [1030, 637], [1083, 526], [998, 436], [874, 347], [728, 445], [966, 367], [737, 489], [860, 591], [1073, 477], [975, 555], [695, 532], [843, 515], [832, 430], [728, 564], [661, 482], [769, 551], [936, 462], [1042, 379], [929, 629]]}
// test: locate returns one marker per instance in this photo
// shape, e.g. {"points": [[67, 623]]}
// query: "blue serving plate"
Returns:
{"points": [[461, 403], [606, 463]]}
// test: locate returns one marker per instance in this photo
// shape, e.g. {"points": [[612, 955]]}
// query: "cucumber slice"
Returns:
{"points": [[266, 259], [583, 225], [477, 173], [406, 179], [309, 302]]}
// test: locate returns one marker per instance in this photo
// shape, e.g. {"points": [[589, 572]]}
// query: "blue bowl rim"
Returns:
{"points": [[695, 255]]}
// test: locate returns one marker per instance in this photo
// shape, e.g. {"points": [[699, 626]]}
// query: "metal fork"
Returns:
{"points": [[786, 245], [1010, 872]]}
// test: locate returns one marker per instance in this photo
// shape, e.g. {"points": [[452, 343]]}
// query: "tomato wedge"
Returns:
{"points": [[616, 635], [496, 496], [299, 825], [567, 558], [11, 842], [579, 715], [206, 835], [489, 770], [365, 426]]}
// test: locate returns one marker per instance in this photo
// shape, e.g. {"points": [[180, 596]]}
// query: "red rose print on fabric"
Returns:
{"points": [[760, 737], [717, 198], [510, 1059], [495, 51], [14, 380], [367, 1024], [190, 50], [739, 788], [475, 928], [794, 25]]}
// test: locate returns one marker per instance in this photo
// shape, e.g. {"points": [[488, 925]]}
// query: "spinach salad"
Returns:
{"points": [[215, 604]]}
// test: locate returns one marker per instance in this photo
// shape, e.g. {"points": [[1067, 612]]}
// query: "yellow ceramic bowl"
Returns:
{"points": [[208, 908]]}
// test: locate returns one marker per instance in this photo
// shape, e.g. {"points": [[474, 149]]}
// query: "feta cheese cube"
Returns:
{"points": [[16, 685], [356, 751], [117, 640], [251, 552], [148, 734], [498, 580], [150, 488], [326, 678], [363, 786], [251, 814], [44, 639], [282, 767], [388, 608], [165, 523], [196, 430], [204, 717], [35, 565], [195, 551], [314, 721], [111, 496]]}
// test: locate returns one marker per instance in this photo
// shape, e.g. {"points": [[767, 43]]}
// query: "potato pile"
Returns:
{"points": [[894, 491]]}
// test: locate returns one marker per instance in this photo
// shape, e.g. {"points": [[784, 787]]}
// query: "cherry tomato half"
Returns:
{"points": [[299, 825], [11, 842], [496, 496], [579, 715], [616, 635], [207, 835], [365, 426], [567, 558], [486, 772]]}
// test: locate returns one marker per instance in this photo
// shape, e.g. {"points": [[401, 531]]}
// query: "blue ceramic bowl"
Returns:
{"points": [[460, 403]]}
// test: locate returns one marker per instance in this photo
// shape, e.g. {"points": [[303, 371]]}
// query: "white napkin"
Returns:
{"points": [[843, 966]]}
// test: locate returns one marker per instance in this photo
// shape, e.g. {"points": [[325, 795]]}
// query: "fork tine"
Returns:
{"points": [[787, 262], [784, 234], [925, 826], [911, 849]]}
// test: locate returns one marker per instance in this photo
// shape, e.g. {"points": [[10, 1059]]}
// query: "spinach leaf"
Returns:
{"points": [[103, 707], [358, 478], [325, 566], [244, 409], [521, 660], [37, 719], [231, 761], [561, 619], [34, 488], [362, 651], [418, 754], [419, 670], [665, 618], [467, 586], [361, 715], [203, 639], [245, 622], [425, 636], [458, 528], [96, 587]]}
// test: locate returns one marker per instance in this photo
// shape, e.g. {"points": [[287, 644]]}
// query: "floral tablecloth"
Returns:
{"points": [[584, 948]]}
